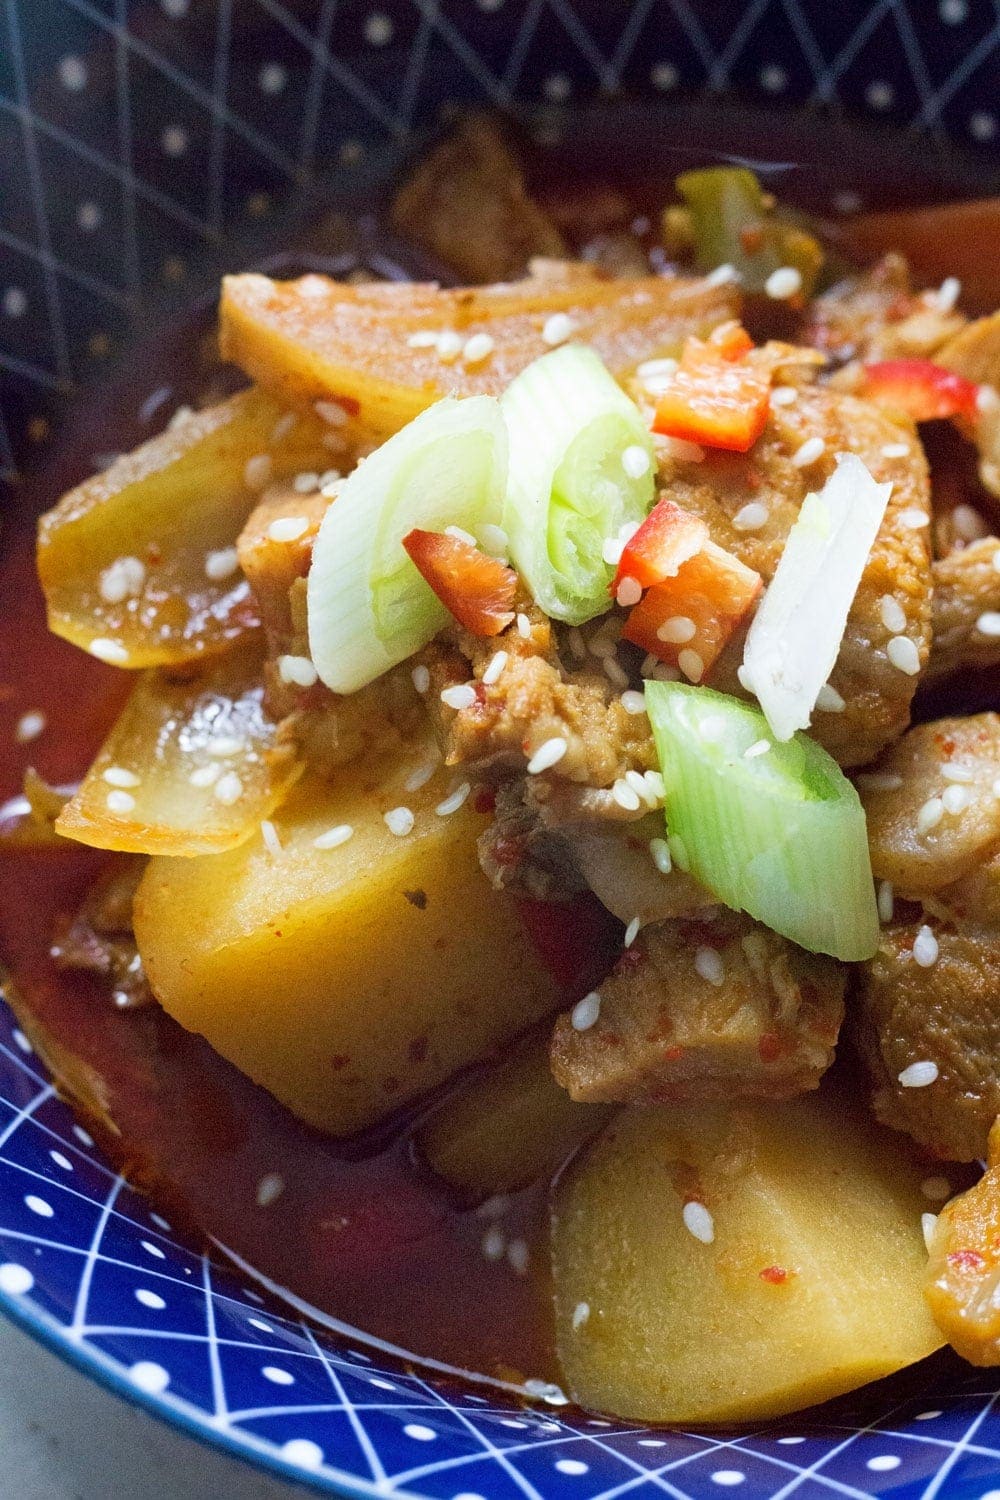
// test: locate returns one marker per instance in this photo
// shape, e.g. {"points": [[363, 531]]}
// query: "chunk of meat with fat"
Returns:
{"points": [[877, 315], [966, 587], [274, 550], [723, 1009], [963, 1269]]}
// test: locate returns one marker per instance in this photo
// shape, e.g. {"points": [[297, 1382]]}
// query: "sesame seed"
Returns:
{"points": [[879, 781], [895, 450], [333, 837], [930, 814], [221, 564], [204, 776], [29, 726], [478, 348], [518, 1256], [903, 654], [460, 535], [297, 671], [421, 678], [635, 461], [625, 796], [752, 516], [548, 754], [937, 1189], [449, 346], [331, 412], [123, 579], [677, 629], [759, 747], [614, 670], [612, 551], [783, 283], [494, 1243], [558, 328], [420, 777], [956, 799], [885, 901], [808, 452], [284, 426], [709, 965], [678, 851], [953, 770], [691, 664], [968, 524], [655, 790], [222, 746], [829, 701], [913, 520], [495, 540], [722, 275], [107, 650], [269, 834], [270, 1187], [629, 592], [948, 294], [454, 801], [120, 802], [493, 669], [892, 614], [633, 702], [656, 369], [988, 623], [698, 1222], [228, 789], [257, 471], [424, 338], [461, 695], [524, 627], [680, 449], [918, 1075], [784, 395], [399, 820], [632, 931], [928, 1224], [581, 1313], [287, 528], [119, 776], [925, 953], [306, 483], [586, 1011], [659, 851]]}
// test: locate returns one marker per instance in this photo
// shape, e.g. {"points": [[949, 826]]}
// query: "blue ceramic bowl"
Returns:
{"points": [[143, 147]]}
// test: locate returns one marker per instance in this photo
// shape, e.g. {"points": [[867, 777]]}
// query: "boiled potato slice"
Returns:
{"points": [[812, 1284], [508, 1127], [345, 979], [137, 563]]}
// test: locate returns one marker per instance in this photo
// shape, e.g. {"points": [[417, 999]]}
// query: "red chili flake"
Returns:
{"points": [[966, 1260], [774, 1275]]}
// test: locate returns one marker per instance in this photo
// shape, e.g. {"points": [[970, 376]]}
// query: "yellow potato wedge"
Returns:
{"points": [[190, 767], [345, 979], [811, 1283], [351, 347], [508, 1127], [136, 563]]}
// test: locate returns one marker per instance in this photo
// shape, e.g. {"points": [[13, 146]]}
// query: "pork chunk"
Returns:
{"points": [[723, 1009], [877, 315], [966, 587]]}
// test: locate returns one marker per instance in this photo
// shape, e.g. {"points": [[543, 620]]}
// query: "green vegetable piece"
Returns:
{"points": [[732, 225]]}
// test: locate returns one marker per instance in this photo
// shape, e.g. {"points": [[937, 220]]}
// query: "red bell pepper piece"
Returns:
{"points": [[718, 397], [666, 539], [478, 590], [921, 388], [697, 610]]}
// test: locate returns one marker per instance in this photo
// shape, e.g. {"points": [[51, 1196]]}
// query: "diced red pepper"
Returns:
{"points": [[718, 397], [713, 591], [921, 388], [666, 539], [478, 590]]}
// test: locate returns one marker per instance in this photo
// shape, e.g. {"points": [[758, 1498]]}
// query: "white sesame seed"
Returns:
{"points": [[937, 1189], [449, 346], [808, 452], [913, 520], [677, 629], [586, 1011], [421, 678], [269, 834], [549, 753], [918, 1075], [698, 1222], [287, 528], [928, 1224], [297, 670], [656, 369], [107, 650], [29, 726], [493, 669], [284, 426], [637, 782], [892, 613], [655, 790], [494, 1243], [903, 654], [461, 695], [270, 1187], [333, 837], [460, 535], [629, 592], [930, 814], [879, 781], [886, 901], [331, 412], [948, 294], [988, 623], [612, 551], [829, 701], [223, 746], [895, 450], [424, 338], [784, 395], [968, 524], [306, 483], [558, 328], [454, 801], [691, 664], [478, 348], [680, 449], [257, 471], [120, 802], [925, 953], [399, 820], [221, 564], [518, 1256], [722, 275], [633, 702], [783, 283], [123, 579], [420, 777], [659, 851], [581, 1313], [228, 789], [632, 931], [625, 796], [523, 627], [752, 516], [614, 670], [635, 461], [119, 776], [759, 747], [709, 965], [953, 770], [204, 776], [678, 851], [956, 799], [494, 540]]}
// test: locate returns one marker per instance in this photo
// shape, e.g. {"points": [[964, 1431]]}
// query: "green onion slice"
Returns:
{"points": [[581, 469], [779, 832], [367, 606]]}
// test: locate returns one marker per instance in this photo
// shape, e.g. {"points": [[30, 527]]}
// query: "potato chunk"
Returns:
{"points": [[345, 979], [810, 1283]]}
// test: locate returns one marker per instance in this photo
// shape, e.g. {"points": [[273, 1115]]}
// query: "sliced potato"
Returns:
{"points": [[126, 559], [508, 1127], [345, 979], [350, 347], [812, 1284], [190, 767]]}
